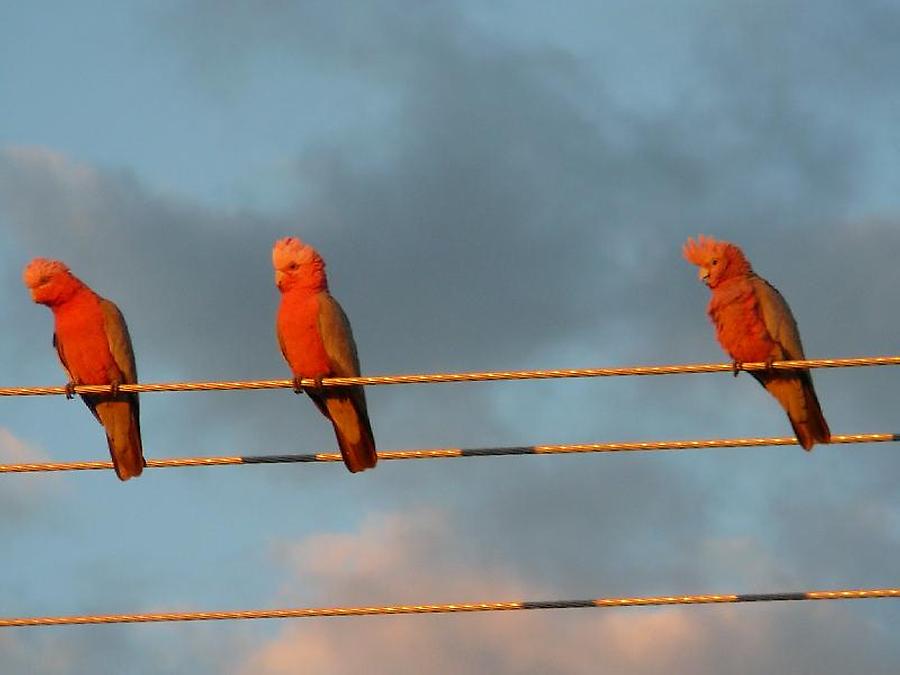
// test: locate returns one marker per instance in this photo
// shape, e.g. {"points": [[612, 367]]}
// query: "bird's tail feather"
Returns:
{"points": [[123, 434], [798, 398], [353, 431]]}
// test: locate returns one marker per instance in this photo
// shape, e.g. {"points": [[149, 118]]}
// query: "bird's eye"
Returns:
{"points": [[43, 280], [715, 261], [293, 266]]}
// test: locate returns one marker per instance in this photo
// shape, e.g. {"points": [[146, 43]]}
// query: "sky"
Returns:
{"points": [[497, 185]]}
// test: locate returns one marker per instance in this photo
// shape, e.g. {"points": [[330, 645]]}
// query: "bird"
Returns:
{"points": [[91, 338], [754, 324], [317, 342]]}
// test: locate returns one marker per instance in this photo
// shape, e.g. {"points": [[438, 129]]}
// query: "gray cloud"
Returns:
{"points": [[25, 500], [387, 560]]}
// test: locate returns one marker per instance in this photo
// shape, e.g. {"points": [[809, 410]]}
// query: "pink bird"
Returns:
{"points": [[754, 324], [317, 342], [94, 347]]}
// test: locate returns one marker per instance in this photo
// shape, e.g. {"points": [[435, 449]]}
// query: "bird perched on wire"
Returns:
{"points": [[317, 342], [754, 324], [91, 338]]}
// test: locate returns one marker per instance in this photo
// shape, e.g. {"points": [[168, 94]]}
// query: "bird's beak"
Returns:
{"points": [[279, 277], [703, 275]]}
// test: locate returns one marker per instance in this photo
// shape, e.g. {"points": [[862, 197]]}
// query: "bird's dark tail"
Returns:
{"points": [[346, 408], [797, 396], [123, 433]]}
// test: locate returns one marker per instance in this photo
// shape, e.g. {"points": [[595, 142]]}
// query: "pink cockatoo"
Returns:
{"points": [[94, 347], [754, 324], [317, 342]]}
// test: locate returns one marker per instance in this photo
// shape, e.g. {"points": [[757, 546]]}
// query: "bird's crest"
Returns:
{"points": [[703, 250], [41, 269], [292, 250]]}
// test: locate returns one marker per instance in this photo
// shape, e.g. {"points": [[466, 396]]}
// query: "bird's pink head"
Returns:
{"points": [[50, 281], [297, 265], [718, 260]]}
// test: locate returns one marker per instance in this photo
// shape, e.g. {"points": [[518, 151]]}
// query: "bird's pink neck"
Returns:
{"points": [[80, 305], [299, 290], [67, 291]]}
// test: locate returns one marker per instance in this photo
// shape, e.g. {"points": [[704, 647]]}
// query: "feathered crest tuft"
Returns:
{"points": [[703, 249], [40, 269], [291, 249]]}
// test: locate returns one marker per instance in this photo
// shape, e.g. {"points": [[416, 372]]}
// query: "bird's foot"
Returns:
{"points": [[736, 367], [114, 388], [298, 385], [769, 361], [70, 390]]}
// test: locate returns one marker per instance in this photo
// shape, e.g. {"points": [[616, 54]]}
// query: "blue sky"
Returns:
{"points": [[492, 187]]}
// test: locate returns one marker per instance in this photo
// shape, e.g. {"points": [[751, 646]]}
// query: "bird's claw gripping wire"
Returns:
{"points": [[299, 387], [70, 390], [738, 366], [114, 388], [317, 385]]}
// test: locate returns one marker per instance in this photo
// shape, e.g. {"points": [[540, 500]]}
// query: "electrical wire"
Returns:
{"points": [[302, 613], [487, 376], [444, 453]]}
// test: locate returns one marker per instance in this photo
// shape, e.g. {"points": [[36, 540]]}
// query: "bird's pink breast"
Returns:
{"points": [[81, 333], [298, 328], [740, 328]]}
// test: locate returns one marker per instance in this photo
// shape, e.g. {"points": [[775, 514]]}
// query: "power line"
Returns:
{"points": [[304, 613], [487, 376], [445, 453]]}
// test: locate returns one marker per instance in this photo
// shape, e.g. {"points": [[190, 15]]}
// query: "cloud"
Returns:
{"points": [[123, 649], [414, 558], [22, 494], [14, 450], [19, 655], [141, 249]]}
